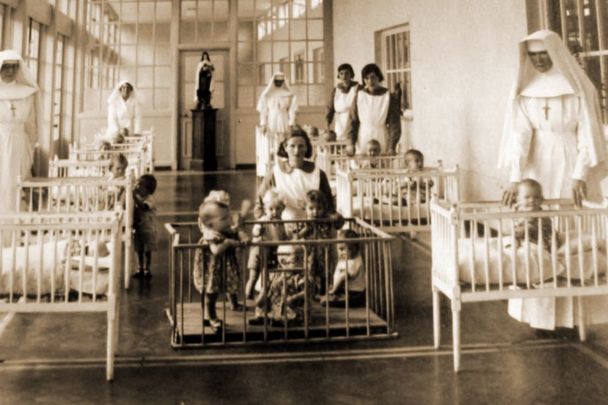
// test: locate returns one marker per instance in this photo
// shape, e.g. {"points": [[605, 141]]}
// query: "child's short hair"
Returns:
{"points": [[272, 198], [148, 181], [374, 142], [317, 197], [415, 153], [207, 210], [532, 184], [220, 196], [118, 138], [118, 160], [350, 235], [105, 145], [286, 250]]}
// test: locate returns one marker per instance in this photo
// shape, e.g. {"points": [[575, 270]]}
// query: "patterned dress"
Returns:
{"points": [[216, 273]]}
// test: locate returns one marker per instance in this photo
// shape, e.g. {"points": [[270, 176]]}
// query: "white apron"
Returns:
{"points": [[372, 111], [342, 103], [292, 187]]}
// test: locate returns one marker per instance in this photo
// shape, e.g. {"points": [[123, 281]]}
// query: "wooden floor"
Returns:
{"points": [[324, 322]]}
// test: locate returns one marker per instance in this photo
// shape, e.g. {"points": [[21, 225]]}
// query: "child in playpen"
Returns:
{"points": [[348, 268], [285, 299], [216, 267], [274, 206], [144, 224], [529, 198], [320, 225]]}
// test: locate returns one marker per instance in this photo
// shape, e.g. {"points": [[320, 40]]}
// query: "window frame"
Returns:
{"points": [[393, 48]]}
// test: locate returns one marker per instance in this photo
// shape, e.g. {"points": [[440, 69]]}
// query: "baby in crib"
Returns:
{"points": [[118, 170], [368, 160], [529, 198], [217, 270], [415, 190], [273, 207], [349, 268], [289, 287]]}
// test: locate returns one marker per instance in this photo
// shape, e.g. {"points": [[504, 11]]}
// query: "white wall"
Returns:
{"points": [[463, 62]]}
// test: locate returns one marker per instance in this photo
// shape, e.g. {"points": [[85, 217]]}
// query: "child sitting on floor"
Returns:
{"points": [[349, 273], [216, 268], [273, 206], [288, 288]]}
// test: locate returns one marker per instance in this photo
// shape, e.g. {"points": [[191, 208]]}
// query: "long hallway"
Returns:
{"points": [[503, 361]]}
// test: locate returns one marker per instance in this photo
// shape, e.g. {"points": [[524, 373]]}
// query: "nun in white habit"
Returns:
{"points": [[553, 134], [277, 106], [18, 126], [124, 111]]}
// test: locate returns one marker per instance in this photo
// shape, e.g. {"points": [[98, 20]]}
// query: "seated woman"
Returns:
{"points": [[292, 176]]}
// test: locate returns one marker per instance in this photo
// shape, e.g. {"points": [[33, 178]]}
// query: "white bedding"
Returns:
{"points": [[380, 210], [466, 250], [47, 260]]}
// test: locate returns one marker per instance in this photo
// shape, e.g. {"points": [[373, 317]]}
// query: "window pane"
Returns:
{"points": [[145, 55], [572, 38], [245, 52], [220, 30], [245, 74], [245, 31], [161, 101], [244, 8], [163, 55], [220, 11], [162, 77], [246, 97], [590, 26], [298, 30], [264, 51], [315, 29], [163, 32], [145, 33]]}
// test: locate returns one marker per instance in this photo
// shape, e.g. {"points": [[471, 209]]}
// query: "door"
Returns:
{"points": [[188, 61]]}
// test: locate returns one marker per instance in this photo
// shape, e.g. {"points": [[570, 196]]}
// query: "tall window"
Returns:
{"points": [[280, 35], [129, 40], [201, 20], [583, 25], [56, 120], [395, 61], [32, 49]]}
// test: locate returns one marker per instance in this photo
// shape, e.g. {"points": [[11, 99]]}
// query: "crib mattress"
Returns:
{"points": [[376, 211], [539, 268]]}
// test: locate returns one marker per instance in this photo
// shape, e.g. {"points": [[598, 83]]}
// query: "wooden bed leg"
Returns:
{"points": [[128, 257], [580, 307], [111, 338], [456, 337], [436, 319]]}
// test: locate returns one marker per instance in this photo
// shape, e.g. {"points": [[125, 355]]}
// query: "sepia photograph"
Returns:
{"points": [[304, 202]]}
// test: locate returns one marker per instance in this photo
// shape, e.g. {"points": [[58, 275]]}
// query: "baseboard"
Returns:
{"points": [[245, 166]]}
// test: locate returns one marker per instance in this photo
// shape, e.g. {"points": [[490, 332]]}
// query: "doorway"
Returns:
{"points": [[188, 61]]}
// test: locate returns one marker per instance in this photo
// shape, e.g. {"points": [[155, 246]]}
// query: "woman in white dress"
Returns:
{"points": [[124, 111], [341, 100], [277, 106], [293, 176], [374, 114], [553, 134], [18, 126]]}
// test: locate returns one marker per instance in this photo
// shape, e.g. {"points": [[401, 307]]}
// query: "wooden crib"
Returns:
{"points": [[476, 258], [395, 200], [47, 256], [78, 168], [331, 162], [135, 154], [82, 194]]}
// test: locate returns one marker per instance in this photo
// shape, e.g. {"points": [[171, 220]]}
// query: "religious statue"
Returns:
{"points": [[204, 74]]}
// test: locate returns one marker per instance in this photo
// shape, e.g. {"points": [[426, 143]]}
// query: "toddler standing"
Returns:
{"points": [[144, 224], [216, 267]]}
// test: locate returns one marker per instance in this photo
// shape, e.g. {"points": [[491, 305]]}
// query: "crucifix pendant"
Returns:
{"points": [[546, 108], [12, 108]]}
